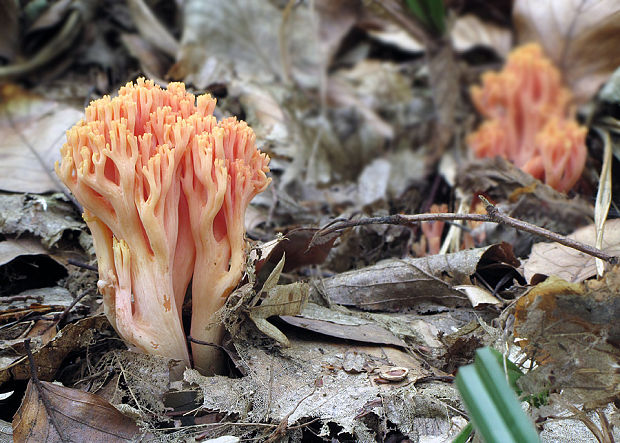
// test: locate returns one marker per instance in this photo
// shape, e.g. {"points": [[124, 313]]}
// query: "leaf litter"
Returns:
{"points": [[352, 335]]}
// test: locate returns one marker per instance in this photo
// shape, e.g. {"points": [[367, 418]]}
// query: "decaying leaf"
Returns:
{"points": [[258, 302], [279, 300], [343, 325], [300, 249], [570, 330], [33, 130], [570, 264], [81, 416], [581, 36], [72, 337], [309, 379], [394, 285]]}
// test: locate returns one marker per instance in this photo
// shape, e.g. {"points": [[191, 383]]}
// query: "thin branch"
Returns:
{"points": [[493, 215]]}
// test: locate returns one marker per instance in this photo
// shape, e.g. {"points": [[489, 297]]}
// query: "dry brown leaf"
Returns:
{"points": [[394, 285], [33, 130], [278, 300], [338, 324], [571, 331], [49, 358], [580, 36], [81, 416], [568, 263]]}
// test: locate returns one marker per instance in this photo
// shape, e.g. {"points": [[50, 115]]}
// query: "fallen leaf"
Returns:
{"points": [[570, 330], [277, 300], [570, 264], [398, 284], [45, 216], [80, 416], [470, 31], [337, 324], [299, 247], [71, 338], [33, 131], [581, 37]]}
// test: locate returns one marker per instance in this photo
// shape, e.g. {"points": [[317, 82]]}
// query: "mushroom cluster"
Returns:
{"points": [[529, 119], [164, 188]]}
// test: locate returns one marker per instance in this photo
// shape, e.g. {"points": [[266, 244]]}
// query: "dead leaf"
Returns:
{"points": [[279, 300], [570, 330], [20, 259], [151, 29], [394, 285], [278, 383], [33, 131], [45, 216], [570, 264], [81, 416], [340, 325], [245, 34], [299, 247], [470, 31], [580, 36], [72, 337], [11, 249]]}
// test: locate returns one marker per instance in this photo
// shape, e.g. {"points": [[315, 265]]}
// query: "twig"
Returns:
{"points": [[493, 215], [66, 311], [79, 264], [41, 390]]}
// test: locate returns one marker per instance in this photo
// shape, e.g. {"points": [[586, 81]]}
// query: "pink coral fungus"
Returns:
{"points": [[529, 119], [164, 188]]}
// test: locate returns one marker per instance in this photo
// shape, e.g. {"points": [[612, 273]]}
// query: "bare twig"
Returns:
{"points": [[41, 390], [493, 215]]}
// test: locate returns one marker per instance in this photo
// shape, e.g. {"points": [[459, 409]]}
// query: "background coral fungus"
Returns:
{"points": [[164, 188], [529, 119]]}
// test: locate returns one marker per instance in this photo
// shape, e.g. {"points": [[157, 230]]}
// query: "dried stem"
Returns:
{"points": [[493, 215]]}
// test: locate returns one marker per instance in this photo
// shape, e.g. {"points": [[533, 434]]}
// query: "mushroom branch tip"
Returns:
{"points": [[529, 119], [164, 187]]}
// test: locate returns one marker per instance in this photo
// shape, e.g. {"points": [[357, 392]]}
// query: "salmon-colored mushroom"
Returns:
{"points": [[521, 104], [159, 179]]}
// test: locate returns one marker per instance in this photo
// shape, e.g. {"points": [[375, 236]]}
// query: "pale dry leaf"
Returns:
{"points": [[580, 36], [279, 300], [478, 296], [570, 264], [603, 198], [33, 131], [13, 248], [470, 31]]}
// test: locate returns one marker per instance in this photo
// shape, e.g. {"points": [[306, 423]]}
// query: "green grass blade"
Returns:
{"points": [[492, 405]]}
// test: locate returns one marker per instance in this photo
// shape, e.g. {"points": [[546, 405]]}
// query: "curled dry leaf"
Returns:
{"points": [[567, 263], [581, 36], [81, 416]]}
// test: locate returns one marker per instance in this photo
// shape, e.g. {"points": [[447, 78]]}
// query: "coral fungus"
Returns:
{"points": [[529, 119], [164, 188]]}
